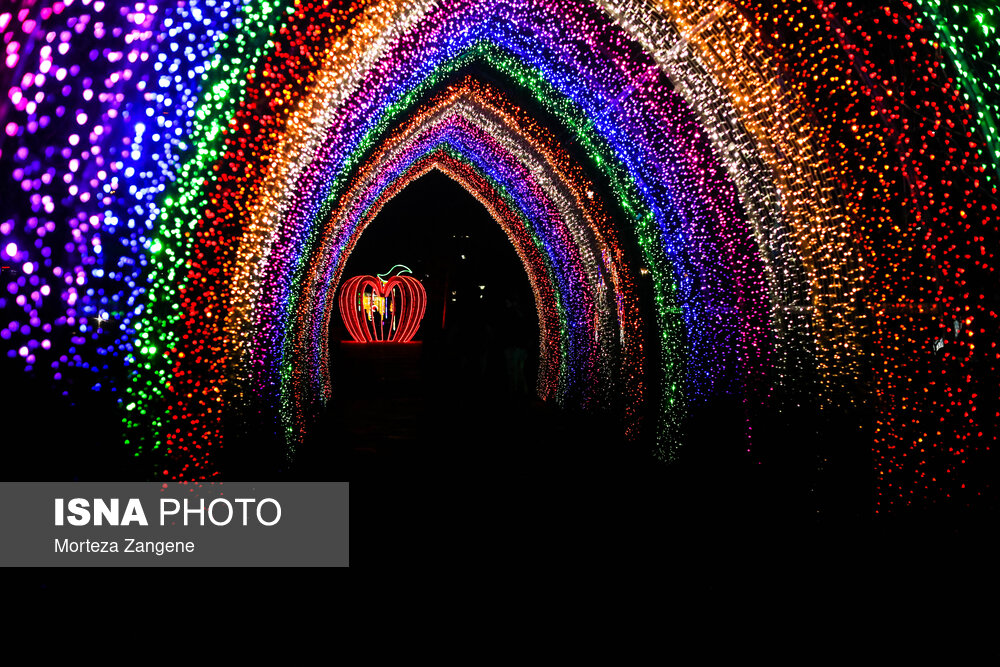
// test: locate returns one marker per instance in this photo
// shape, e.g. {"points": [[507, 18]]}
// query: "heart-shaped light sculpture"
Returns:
{"points": [[383, 310]]}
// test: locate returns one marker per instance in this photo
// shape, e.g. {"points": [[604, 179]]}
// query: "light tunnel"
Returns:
{"points": [[813, 226], [704, 312], [714, 318], [581, 290]]}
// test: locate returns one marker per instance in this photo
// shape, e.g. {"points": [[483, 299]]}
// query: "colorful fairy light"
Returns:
{"points": [[809, 187]]}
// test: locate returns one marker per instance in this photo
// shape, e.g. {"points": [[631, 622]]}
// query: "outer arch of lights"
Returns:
{"points": [[848, 177]]}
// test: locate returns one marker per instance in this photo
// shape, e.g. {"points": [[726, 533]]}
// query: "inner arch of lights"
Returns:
{"points": [[558, 239]]}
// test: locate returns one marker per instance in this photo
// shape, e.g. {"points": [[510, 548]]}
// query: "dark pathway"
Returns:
{"points": [[447, 468]]}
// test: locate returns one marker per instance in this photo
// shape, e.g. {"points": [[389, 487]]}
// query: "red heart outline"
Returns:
{"points": [[405, 303]]}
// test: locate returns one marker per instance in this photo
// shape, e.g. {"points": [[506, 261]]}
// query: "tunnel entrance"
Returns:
{"points": [[479, 336], [476, 350], [463, 394]]}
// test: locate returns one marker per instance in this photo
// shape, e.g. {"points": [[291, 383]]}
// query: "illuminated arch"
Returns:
{"points": [[676, 343], [664, 217], [605, 321], [449, 121]]}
